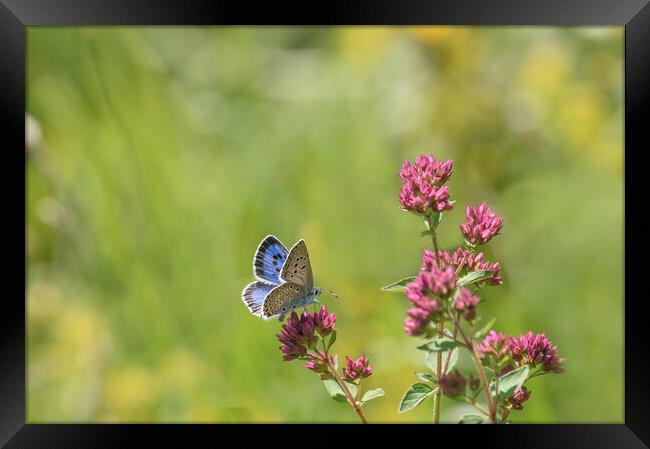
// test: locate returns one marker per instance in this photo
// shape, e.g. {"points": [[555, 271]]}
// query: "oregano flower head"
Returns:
{"points": [[357, 369], [417, 322], [495, 345], [297, 335], [324, 321], [439, 282], [472, 261], [535, 349], [429, 260], [466, 304], [422, 188], [481, 224]]}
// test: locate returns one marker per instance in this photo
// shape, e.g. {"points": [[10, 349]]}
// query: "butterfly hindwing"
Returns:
{"points": [[269, 259], [297, 268], [254, 294], [281, 299]]}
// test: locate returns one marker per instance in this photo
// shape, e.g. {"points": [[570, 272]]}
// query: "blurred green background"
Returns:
{"points": [[159, 157]]}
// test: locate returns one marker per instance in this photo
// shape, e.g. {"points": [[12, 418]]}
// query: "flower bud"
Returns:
{"points": [[357, 369]]}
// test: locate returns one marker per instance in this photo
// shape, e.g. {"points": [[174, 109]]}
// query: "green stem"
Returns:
{"points": [[434, 239], [484, 382], [476, 405], [444, 371], [479, 367], [353, 402], [348, 394], [436, 395], [441, 329], [460, 265]]}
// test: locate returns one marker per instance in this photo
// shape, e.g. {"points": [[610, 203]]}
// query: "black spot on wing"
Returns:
{"points": [[267, 258]]}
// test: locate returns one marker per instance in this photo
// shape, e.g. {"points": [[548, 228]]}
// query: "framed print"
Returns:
{"points": [[348, 213]]}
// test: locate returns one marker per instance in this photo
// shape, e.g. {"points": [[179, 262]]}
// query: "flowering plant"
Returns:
{"points": [[309, 337], [444, 296]]}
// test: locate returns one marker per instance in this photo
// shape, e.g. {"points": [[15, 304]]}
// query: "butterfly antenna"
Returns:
{"points": [[332, 293]]}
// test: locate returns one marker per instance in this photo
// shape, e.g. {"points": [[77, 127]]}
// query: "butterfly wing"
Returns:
{"points": [[282, 299], [269, 259], [254, 294], [297, 268]]}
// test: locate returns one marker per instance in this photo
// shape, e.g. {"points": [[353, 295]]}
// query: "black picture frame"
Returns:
{"points": [[16, 15]]}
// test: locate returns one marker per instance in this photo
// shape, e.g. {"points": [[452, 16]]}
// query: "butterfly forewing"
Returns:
{"points": [[281, 298], [297, 268], [269, 259]]}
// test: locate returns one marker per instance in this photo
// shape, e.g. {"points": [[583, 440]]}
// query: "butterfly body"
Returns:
{"points": [[284, 280]]}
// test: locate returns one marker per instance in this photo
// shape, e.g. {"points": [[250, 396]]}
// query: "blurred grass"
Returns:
{"points": [[159, 157]]}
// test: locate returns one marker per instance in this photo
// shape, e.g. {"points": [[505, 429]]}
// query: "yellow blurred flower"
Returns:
{"points": [[581, 115], [181, 370], [433, 35], [81, 333], [545, 68], [129, 390], [363, 45]]}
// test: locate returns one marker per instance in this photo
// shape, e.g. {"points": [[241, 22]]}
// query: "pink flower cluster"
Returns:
{"points": [[494, 345], [466, 304], [437, 282], [424, 293], [299, 338], [476, 262], [429, 260], [535, 349], [470, 261], [481, 224], [529, 349], [320, 363], [299, 332], [422, 185], [357, 369]]}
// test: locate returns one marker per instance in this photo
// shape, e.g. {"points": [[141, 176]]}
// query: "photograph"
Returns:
{"points": [[325, 224]]}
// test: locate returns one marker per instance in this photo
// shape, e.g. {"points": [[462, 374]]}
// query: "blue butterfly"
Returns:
{"points": [[284, 280]]}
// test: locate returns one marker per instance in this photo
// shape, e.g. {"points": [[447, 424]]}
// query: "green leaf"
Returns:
{"points": [[437, 218], [474, 277], [331, 340], [485, 329], [352, 387], [426, 377], [439, 344], [399, 285], [470, 419], [431, 360], [509, 383], [425, 233], [414, 396], [372, 394], [336, 392]]}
